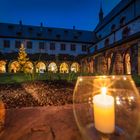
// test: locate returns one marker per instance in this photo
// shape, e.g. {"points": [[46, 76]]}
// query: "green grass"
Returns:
{"points": [[9, 78]]}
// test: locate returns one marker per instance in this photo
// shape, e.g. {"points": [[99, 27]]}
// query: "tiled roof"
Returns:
{"points": [[113, 13], [45, 33]]}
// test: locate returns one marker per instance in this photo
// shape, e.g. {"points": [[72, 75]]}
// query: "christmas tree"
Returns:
{"points": [[22, 57]]}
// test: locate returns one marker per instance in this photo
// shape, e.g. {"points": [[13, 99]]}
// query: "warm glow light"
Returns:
{"points": [[118, 102], [113, 77], [103, 90], [124, 78], [52, 68], [81, 79]]}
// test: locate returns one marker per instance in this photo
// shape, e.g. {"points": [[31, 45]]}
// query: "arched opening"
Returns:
{"points": [[14, 67], [2, 66], [127, 63], [102, 65], [75, 67], [109, 63], [28, 67], [64, 68], [52, 67], [118, 64], [40, 67]]}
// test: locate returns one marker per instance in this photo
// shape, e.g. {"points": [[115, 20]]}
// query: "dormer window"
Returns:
{"points": [[10, 27], [58, 36], [19, 33], [49, 30], [30, 29], [113, 27], [75, 37], [66, 31], [39, 34], [125, 32], [122, 21], [106, 42], [80, 33]]}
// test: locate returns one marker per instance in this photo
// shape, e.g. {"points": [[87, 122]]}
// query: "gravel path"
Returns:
{"points": [[54, 93]]}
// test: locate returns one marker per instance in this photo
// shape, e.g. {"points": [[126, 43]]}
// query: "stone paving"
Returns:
{"points": [[40, 123]]}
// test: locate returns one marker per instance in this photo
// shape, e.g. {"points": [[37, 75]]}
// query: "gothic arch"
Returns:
{"points": [[102, 65], [64, 68], [75, 67], [40, 67], [128, 63], [14, 66], [2, 66], [28, 67], [52, 67], [118, 67]]}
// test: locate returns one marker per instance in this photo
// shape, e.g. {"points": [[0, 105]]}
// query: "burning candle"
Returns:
{"points": [[104, 112]]}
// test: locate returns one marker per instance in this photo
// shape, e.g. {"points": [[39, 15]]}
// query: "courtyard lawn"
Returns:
{"points": [[9, 78]]}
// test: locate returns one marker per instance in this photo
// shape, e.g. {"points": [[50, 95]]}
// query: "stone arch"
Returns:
{"points": [[118, 67], [40, 67], [28, 67], [109, 61], [52, 67], [102, 65], [14, 66], [75, 67], [2, 66], [64, 68], [128, 63]]}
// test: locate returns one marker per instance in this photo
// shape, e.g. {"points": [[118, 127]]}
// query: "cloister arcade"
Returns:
{"points": [[39, 67], [119, 60]]}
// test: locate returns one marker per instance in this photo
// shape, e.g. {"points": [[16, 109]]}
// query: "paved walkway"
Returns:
{"points": [[40, 123]]}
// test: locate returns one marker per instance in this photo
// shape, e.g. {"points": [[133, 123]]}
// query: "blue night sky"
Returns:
{"points": [[55, 13]]}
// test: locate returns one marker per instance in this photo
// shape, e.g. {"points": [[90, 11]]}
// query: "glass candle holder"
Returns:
{"points": [[107, 108]]}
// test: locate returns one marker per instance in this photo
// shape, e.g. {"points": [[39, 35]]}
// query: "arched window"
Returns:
{"points": [[2, 66], [28, 67], [113, 27], [52, 67], [64, 68], [127, 63], [14, 67], [125, 32], [122, 21], [75, 67], [106, 42], [40, 67]]}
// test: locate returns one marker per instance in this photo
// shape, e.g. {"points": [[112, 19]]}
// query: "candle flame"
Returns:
{"points": [[103, 90]]}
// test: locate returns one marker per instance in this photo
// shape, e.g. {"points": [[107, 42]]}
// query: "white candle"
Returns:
{"points": [[104, 112]]}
